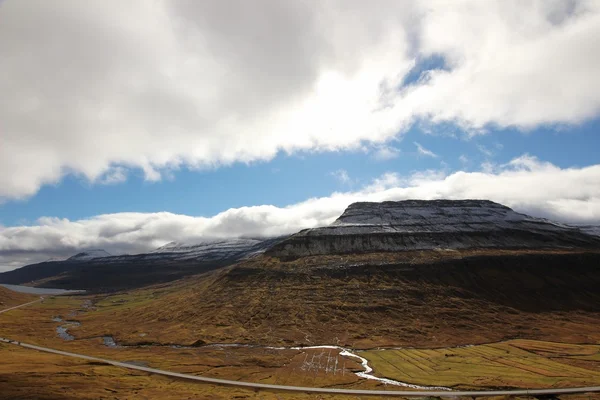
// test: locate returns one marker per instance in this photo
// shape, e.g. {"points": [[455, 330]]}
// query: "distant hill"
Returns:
{"points": [[97, 270], [89, 255]]}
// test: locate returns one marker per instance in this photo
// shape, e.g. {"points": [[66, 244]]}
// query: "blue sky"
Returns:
{"points": [[289, 179], [207, 119]]}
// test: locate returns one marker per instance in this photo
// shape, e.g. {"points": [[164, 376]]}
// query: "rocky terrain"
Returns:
{"points": [[432, 224]]}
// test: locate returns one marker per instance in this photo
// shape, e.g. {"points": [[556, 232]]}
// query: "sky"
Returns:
{"points": [[125, 125]]}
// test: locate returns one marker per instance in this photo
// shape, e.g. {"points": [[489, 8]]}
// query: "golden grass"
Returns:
{"points": [[9, 298], [310, 367], [515, 363], [282, 303], [28, 374]]}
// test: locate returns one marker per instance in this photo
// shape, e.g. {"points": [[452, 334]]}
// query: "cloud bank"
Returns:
{"points": [[570, 195], [97, 88]]}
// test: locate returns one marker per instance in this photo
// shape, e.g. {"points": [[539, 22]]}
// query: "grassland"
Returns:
{"points": [[9, 298], [429, 300], [27, 374], [511, 364], [515, 363], [432, 301], [308, 367]]}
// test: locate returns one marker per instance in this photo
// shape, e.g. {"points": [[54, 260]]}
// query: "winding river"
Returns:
{"points": [[109, 341]]}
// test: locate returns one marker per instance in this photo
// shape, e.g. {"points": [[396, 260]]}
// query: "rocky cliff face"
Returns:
{"points": [[431, 224]]}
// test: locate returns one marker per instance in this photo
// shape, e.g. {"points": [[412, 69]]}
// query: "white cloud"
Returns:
{"points": [[113, 176], [422, 151], [341, 175], [87, 86], [527, 184], [385, 153], [485, 151]]}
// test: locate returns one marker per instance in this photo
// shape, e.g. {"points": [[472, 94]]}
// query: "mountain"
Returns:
{"points": [[216, 249], [384, 233], [89, 255], [590, 229], [431, 224], [97, 270], [462, 272]]}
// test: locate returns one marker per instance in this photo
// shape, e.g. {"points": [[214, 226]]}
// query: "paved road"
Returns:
{"points": [[389, 393], [403, 393]]}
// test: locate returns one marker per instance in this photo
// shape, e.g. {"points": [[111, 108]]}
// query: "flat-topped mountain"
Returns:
{"points": [[364, 228], [431, 224], [381, 275]]}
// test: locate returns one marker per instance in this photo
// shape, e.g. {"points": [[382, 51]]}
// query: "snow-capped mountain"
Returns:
{"points": [[431, 224], [214, 249], [208, 250], [590, 229], [89, 255], [168, 262]]}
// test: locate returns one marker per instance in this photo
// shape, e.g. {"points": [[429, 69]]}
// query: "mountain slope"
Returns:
{"points": [[10, 298], [482, 273], [365, 301], [434, 224], [89, 255]]}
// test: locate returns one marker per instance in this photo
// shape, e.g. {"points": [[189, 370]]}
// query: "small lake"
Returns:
{"points": [[40, 291]]}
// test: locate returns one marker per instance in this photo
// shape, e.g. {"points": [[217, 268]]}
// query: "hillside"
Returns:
{"points": [[482, 285], [9, 298], [473, 283], [420, 299]]}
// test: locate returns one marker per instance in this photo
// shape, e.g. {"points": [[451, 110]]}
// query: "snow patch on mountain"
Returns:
{"points": [[431, 224], [590, 229], [213, 249], [208, 245], [90, 255], [210, 250]]}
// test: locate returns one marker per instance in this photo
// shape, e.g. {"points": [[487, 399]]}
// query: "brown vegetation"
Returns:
{"points": [[414, 299], [28, 374], [10, 298], [428, 299]]}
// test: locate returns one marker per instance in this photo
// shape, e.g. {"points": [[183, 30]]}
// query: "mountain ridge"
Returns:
{"points": [[113, 272], [363, 228]]}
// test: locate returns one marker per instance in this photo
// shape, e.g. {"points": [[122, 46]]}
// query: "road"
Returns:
{"points": [[251, 385], [22, 305]]}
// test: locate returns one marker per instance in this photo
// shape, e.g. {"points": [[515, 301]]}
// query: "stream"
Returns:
{"points": [[109, 341], [62, 330]]}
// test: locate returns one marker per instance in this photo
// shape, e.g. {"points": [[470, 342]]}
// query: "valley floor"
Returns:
{"points": [[29, 374]]}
